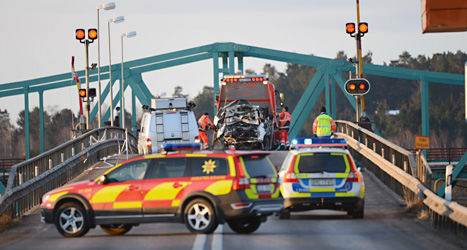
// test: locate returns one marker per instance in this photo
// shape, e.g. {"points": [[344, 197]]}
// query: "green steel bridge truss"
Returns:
{"points": [[223, 56]]}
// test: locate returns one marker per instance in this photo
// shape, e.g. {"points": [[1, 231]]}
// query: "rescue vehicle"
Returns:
{"points": [[246, 113], [321, 174], [169, 120], [199, 188]]}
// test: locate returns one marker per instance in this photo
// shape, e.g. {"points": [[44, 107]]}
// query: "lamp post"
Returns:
{"points": [[113, 20], [129, 35], [107, 6]]}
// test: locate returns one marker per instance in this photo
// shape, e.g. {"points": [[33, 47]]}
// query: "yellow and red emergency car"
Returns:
{"points": [[198, 188]]}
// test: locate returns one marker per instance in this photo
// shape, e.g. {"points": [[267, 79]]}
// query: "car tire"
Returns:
{"points": [[245, 226], [284, 214], [116, 229], [358, 212], [200, 217], [71, 220]]}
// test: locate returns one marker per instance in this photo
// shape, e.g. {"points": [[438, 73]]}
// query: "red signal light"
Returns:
{"points": [[80, 34], [350, 28], [352, 87], [362, 86], [363, 28], [92, 34]]}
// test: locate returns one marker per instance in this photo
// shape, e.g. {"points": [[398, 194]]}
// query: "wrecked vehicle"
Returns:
{"points": [[240, 124], [246, 113]]}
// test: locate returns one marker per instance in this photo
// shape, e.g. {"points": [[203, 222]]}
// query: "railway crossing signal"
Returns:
{"points": [[359, 86]]}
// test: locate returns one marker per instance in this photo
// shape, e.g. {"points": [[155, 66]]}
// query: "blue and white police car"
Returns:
{"points": [[321, 174]]}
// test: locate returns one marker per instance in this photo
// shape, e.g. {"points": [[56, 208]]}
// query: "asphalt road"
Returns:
{"points": [[386, 225]]}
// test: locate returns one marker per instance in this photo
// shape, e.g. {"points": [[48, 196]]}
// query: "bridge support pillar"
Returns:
{"points": [[26, 122]]}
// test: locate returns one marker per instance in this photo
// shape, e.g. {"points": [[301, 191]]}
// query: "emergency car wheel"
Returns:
{"points": [[71, 220], [200, 217], [245, 226], [116, 229]]}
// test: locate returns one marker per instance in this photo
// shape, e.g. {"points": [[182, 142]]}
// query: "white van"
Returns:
{"points": [[168, 121]]}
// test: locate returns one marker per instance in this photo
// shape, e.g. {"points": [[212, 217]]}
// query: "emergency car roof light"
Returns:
{"points": [[167, 147], [315, 142]]}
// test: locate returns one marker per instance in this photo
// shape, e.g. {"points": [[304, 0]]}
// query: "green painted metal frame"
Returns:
{"points": [[330, 73]]}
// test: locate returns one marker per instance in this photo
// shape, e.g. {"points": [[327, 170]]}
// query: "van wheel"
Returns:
{"points": [[116, 229], [245, 226], [200, 217], [71, 220]]}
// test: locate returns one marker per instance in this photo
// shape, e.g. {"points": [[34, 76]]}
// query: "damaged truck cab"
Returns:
{"points": [[246, 113]]}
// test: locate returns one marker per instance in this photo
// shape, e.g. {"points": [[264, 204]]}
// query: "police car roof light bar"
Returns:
{"points": [[316, 142]]}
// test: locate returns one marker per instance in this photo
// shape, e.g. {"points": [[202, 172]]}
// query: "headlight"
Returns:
{"points": [[45, 198]]}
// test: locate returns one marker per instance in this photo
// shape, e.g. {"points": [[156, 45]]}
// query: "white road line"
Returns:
{"points": [[216, 244], [217, 238], [199, 242]]}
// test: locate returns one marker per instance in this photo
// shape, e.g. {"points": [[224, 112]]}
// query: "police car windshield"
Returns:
{"points": [[258, 166], [322, 162]]}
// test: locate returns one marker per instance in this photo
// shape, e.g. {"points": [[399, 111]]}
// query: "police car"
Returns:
{"points": [[198, 188], [321, 174]]}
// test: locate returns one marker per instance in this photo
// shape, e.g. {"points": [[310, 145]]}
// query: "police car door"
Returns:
{"points": [[164, 188]]}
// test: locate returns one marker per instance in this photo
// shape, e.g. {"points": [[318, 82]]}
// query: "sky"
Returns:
{"points": [[38, 37]]}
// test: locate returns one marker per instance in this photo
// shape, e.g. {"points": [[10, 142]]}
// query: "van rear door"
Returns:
{"points": [[172, 126]]}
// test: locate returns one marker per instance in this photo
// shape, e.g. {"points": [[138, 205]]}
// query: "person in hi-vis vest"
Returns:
{"points": [[203, 124], [324, 125]]}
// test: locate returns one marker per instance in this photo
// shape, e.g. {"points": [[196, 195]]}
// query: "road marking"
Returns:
{"points": [[217, 238], [199, 242], [216, 244]]}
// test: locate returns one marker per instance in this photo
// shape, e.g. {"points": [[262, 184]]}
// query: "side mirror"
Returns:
{"points": [[103, 180]]}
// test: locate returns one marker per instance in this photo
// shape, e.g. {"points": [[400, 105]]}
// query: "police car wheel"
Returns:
{"points": [[245, 226], [116, 229], [71, 220], [284, 214], [200, 217], [358, 212]]}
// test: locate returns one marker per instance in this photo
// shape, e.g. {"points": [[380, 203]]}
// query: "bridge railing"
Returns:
{"points": [[400, 176], [30, 180]]}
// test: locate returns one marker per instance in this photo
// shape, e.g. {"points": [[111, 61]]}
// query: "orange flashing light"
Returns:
{"points": [[350, 28], [80, 34], [363, 28]]}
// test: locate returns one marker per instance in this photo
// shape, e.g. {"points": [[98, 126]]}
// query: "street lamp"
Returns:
{"points": [[129, 35], [107, 6], [113, 20]]}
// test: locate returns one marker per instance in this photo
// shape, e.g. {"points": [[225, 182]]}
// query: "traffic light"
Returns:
{"points": [[92, 93], [350, 28], [80, 35], [92, 34], [363, 28], [358, 86]]}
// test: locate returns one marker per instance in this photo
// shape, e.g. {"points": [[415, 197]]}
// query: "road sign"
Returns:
{"points": [[422, 142]]}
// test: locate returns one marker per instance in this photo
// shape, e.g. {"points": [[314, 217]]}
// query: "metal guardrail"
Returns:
{"points": [[5, 166], [397, 168], [31, 179]]}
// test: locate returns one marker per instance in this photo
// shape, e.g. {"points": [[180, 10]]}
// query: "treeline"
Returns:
{"points": [[394, 105]]}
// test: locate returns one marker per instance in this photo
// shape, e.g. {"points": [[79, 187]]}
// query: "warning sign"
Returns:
{"points": [[422, 142]]}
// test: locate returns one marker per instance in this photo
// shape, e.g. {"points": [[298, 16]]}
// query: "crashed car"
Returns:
{"points": [[241, 124]]}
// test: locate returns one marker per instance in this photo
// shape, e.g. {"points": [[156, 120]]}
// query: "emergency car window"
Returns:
{"points": [[168, 168], [322, 162], [205, 166], [129, 172], [258, 166]]}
